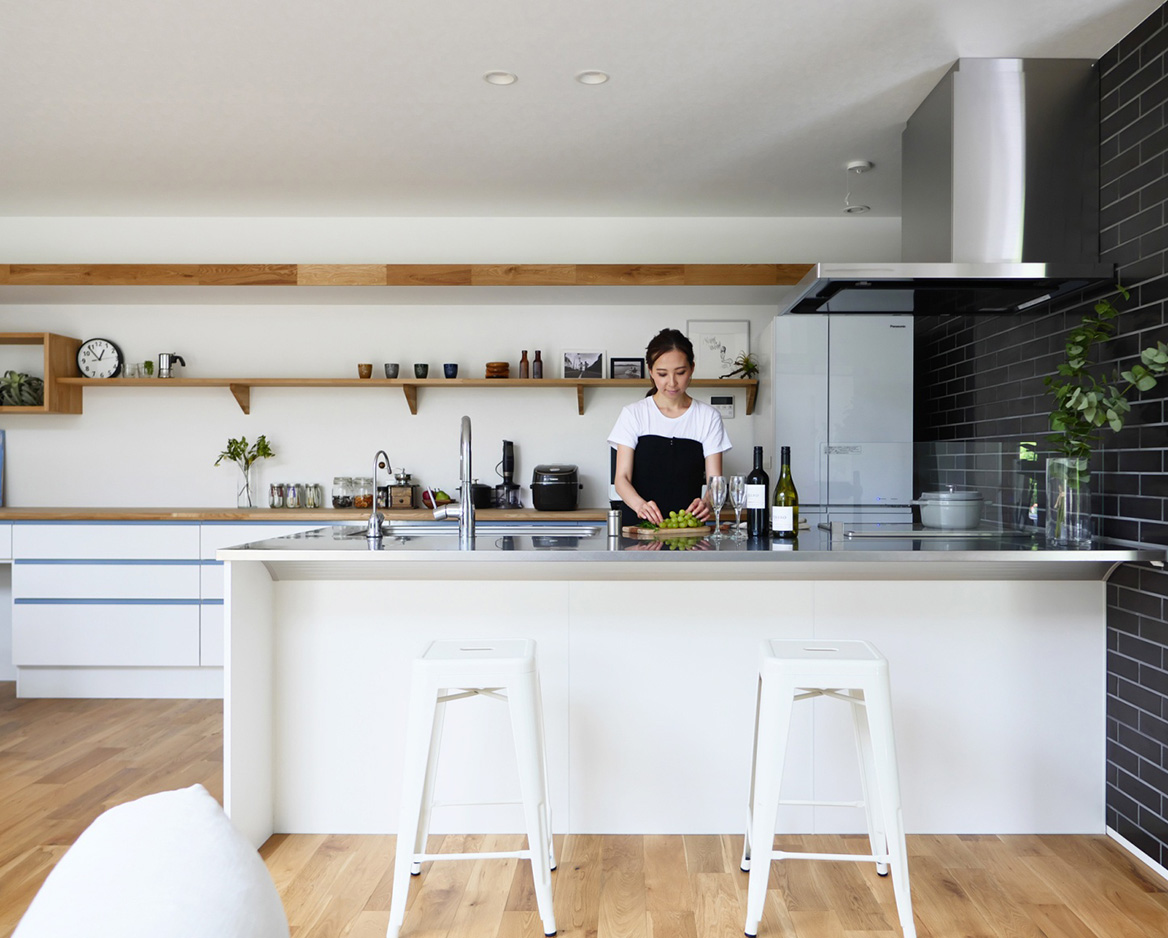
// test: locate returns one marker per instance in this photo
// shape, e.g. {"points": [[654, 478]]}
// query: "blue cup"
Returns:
{"points": [[450, 369]]}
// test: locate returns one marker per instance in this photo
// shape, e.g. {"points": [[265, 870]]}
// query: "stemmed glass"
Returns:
{"points": [[716, 495], [738, 500]]}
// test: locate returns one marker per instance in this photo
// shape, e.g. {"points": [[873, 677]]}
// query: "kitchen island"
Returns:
{"points": [[648, 662]]}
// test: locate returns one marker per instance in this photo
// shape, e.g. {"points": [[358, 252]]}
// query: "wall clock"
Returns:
{"points": [[99, 358]]}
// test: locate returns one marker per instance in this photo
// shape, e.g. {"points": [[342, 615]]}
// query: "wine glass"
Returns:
{"points": [[738, 500], [716, 495]]}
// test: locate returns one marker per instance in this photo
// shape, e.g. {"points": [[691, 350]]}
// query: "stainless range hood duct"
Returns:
{"points": [[1000, 198]]}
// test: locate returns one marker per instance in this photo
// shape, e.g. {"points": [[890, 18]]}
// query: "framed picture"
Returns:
{"points": [[583, 364], [626, 367], [717, 342]]}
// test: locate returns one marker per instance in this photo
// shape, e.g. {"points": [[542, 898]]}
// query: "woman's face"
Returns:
{"points": [[671, 374]]}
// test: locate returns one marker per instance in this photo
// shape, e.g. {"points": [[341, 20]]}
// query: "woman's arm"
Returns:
{"points": [[623, 483]]}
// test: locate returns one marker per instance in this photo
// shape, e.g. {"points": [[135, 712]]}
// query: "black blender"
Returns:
{"points": [[507, 492]]}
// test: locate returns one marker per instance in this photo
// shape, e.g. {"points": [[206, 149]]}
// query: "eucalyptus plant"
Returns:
{"points": [[243, 455], [1083, 403]]}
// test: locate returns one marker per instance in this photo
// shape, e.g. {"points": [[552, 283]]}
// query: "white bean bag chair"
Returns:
{"points": [[169, 865]]}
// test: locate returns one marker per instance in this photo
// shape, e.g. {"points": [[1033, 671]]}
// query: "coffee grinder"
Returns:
{"points": [[507, 492]]}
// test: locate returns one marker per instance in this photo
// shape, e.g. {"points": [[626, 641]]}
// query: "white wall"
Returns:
{"points": [[157, 447]]}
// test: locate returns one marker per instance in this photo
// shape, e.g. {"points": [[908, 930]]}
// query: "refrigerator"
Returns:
{"points": [[842, 398]]}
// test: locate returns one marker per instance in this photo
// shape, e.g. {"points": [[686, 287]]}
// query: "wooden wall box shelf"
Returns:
{"points": [[60, 362], [241, 387]]}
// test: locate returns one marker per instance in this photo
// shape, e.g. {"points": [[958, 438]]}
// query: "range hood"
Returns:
{"points": [[1000, 198]]}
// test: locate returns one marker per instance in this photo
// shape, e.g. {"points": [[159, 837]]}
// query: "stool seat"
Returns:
{"points": [[503, 670], [855, 673]]}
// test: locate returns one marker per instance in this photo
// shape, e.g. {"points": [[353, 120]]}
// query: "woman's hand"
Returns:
{"points": [[700, 509], [650, 512]]}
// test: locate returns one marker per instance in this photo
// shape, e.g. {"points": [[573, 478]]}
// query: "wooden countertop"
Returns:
{"points": [[307, 515]]}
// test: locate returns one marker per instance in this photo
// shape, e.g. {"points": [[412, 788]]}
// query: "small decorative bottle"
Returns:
{"points": [[524, 367], [537, 366]]}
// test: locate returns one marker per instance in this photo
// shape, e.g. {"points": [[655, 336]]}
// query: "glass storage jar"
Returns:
{"points": [[342, 492], [363, 492]]}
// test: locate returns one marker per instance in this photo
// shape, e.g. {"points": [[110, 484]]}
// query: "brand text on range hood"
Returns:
{"points": [[1000, 198]]}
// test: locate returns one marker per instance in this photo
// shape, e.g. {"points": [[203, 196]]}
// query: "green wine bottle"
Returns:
{"points": [[785, 508]]}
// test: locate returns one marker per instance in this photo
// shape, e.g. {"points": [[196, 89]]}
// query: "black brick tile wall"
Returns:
{"points": [[979, 379]]}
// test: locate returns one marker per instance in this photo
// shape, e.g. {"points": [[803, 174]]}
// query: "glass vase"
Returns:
{"points": [[245, 497], [1068, 503]]}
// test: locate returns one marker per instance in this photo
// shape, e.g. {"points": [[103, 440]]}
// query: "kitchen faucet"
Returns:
{"points": [[464, 510], [376, 518]]}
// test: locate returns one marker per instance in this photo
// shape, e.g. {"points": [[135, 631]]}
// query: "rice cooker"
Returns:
{"points": [[554, 487]]}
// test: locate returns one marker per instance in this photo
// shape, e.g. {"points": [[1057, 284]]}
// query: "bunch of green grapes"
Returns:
{"points": [[680, 543], [681, 519]]}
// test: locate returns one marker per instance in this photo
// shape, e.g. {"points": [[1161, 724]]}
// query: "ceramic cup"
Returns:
{"points": [[365, 370], [450, 369], [421, 370], [391, 369]]}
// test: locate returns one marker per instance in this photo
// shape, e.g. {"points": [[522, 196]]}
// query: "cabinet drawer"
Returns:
{"points": [[127, 540], [105, 635], [211, 639], [65, 580]]}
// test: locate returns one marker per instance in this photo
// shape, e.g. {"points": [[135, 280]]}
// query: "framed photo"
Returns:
{"points": [[626, 367], [583, 364], [717, 342]]}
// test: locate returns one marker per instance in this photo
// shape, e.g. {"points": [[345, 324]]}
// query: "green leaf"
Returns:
{"points": [[1146, 383]]}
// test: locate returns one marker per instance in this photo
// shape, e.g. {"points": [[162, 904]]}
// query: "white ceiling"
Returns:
{"points": [[378, 107]]}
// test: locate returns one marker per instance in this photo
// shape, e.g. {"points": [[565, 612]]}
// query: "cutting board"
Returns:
{"points": [[650, 533]]}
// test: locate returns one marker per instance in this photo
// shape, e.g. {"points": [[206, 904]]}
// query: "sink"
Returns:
{"points": [[482, 529]]}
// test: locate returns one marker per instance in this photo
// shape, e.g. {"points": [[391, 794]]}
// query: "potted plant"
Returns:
{"points": [[1083, 406], [243, 455]]}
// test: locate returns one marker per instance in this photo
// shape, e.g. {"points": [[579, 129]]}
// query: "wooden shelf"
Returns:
{"points": [[241, 387], [401, 275], [60, 361]]}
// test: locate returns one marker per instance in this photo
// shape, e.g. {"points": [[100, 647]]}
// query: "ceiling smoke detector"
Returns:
{"points": [[500, 78]]}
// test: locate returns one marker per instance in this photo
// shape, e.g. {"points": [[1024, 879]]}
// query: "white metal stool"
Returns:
{"points": [[447, 671], [857, 674]]}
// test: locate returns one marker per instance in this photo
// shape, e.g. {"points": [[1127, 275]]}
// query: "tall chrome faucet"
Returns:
{"points": [[373, 525], [464, 510]]}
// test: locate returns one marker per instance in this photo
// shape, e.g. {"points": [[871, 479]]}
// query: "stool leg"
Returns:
{"points": [[744, 864], [884, 758], [533, 784], [774, 726], [870, 784], [427, 806], [547, 798], [420, 723]]}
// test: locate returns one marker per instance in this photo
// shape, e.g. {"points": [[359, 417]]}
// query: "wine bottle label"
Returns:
{"points": [[782, 518], [755, 496]]}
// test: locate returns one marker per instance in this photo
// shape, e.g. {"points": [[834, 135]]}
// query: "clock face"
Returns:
{"points": [[99, 358]]}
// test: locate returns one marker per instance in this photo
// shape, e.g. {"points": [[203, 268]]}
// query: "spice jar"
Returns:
{"points": [[276, 495], [363, 492], [292, 495], [342, 492], [312, 495]]}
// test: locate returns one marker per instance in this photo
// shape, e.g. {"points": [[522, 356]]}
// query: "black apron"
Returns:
{"points": [[667, 470]]}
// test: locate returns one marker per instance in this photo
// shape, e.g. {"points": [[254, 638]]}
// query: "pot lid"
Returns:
{"points": [[951, 494]]}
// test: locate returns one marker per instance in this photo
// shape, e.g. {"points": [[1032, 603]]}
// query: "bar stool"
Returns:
{"points": [[856, 673], [448, 671]]}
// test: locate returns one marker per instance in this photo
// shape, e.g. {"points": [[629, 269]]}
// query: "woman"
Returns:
{"points": [[667, 444]]}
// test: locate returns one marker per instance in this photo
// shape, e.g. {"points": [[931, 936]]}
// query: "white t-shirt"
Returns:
{"points": [[643, 418]]}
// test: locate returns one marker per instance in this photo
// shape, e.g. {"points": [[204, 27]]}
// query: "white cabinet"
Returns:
{"points": [[215, 535], [87, 595], [5, 542]]}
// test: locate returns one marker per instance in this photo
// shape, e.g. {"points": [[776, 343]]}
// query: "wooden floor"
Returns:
{"points": [[62, 762]]}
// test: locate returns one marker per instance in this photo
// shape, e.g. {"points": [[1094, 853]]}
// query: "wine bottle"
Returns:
{"points": [[785, 509], [758, 523]]}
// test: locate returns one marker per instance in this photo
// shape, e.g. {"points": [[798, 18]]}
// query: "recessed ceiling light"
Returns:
{"points": [[592, 77], [857, 209], [500, 78]]}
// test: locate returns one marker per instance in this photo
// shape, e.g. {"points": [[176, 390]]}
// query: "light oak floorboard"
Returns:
{"points": [[62, 762]]}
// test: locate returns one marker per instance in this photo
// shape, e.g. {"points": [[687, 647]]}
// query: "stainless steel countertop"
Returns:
{"points": [[342, 553]]}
